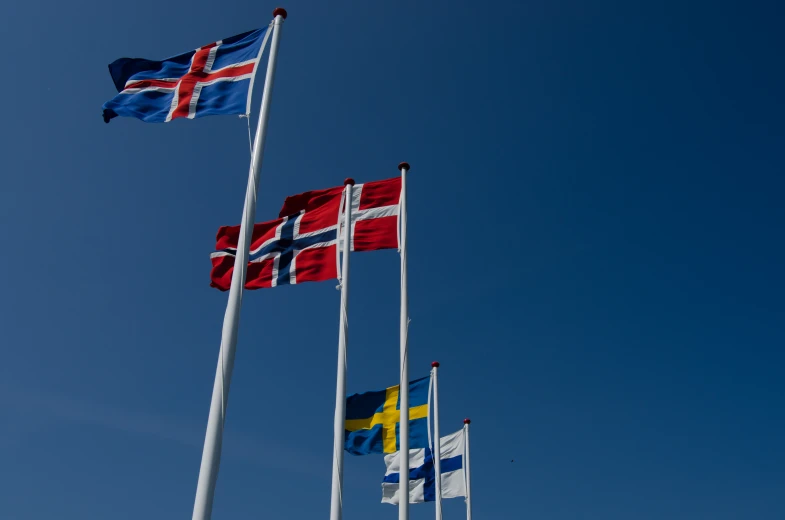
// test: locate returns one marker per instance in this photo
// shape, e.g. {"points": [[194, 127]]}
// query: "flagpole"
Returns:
{"points": [[211, 455], [437, 445], [403, 503], [339, 422], [466, 423]]}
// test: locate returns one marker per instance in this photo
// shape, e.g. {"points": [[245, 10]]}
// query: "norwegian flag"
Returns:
{"points": [[301, 245]]}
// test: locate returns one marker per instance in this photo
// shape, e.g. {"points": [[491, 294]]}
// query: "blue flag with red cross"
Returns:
{"points": [[214, 79]]}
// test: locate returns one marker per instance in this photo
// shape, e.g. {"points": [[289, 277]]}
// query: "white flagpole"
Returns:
{"points": [[339, 423], [403, 430], [437, 445], [211, 456], [467, 469]]}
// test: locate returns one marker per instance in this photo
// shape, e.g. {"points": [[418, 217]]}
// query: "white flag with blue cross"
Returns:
{"points": [[422, 476]]}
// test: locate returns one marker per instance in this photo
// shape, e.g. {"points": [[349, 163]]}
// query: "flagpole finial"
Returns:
{"points": [[348, 181], [467, 421], [435, 364], [281, 11], [404, 166]]}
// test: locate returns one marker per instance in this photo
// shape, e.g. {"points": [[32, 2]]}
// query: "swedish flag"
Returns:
{"points": [[372, 419]]}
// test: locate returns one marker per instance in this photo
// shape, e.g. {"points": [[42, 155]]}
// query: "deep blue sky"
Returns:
{"points": [[596, 258]]}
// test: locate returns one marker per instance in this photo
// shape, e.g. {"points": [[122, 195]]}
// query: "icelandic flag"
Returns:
{"points": [[301, 245], [214, 79], [422, 475]]}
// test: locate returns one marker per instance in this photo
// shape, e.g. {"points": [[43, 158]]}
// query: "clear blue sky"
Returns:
{"points": [[596, 251]]}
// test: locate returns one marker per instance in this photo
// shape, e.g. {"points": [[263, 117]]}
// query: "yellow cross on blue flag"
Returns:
{"points": [[373, 418]]}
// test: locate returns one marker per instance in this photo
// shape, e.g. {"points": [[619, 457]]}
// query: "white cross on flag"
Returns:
{"points": [[301, 246]]}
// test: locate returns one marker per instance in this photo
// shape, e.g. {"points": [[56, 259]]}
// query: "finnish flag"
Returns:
{"points": [[422, 475]]}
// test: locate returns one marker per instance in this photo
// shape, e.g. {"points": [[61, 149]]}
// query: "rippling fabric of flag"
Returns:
{"points": [[422, 475], [214, 79], [373, 419], [375, 207], [297, 248], [300, 246]]}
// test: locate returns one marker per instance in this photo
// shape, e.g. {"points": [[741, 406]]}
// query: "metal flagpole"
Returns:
{"points": [[403, 430], [467, 470], [437, 444], [211, 456], [339, 423]]}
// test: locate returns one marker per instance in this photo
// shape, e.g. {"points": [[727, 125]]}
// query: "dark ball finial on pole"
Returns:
{"points": [[281, 11], [467, 421], [404, 165], [435, 364], [348, 181]]}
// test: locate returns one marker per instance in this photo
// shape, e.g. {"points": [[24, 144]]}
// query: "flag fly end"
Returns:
{"points": [[281, 11]]}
